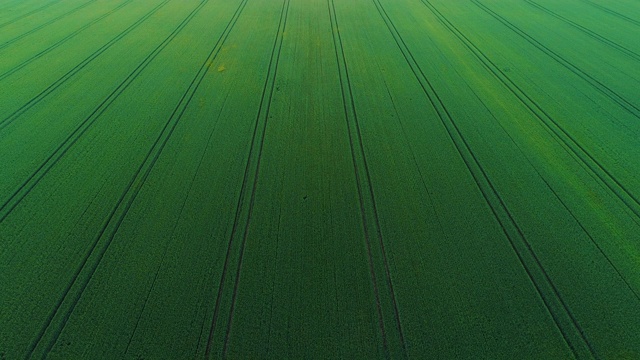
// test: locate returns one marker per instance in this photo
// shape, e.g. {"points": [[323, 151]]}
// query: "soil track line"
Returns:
{"points": [[171, 239], [30, 182], [589, 162], [540, 279], [634, 55], [128, 196], [41, 26], [612, 12], [255, 183], [61, 41], [29, 13], [253, 167], [361, 171], [593, 82], [568, 209], [51, 88]]}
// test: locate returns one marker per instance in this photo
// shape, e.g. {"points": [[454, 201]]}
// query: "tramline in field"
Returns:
{"points": [[319, 179]]}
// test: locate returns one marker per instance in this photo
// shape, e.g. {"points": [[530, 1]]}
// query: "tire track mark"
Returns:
{"points": [[587, 31], [173, 231], [571, 331], [349, 109], [32, 180], [592, 240], [116, 217], [51, 88], [612, 12], [361, 166], [34, 11], [43, 25], [248, 187], [564, 204], [61, 41], [414, 157], [516, 91], [593, 82], [631, 201], [150, 291]]}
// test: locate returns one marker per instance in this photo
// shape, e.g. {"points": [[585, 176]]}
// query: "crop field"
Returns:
{"points": [[313, 179]]}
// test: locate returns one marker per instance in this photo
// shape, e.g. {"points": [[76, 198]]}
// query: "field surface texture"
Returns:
{"points": [[312, 179]]}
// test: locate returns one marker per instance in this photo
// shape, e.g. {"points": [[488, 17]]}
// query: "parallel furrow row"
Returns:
{"points": [[167, 246], [34, 11], [564, 137], [532, 106], [41, 171], [61, 41], [365, 193], [113, 222], [588, 78], [591, 239], [76, 69], [243, 214], [544, 285], [45, 24], [612, 12], [634, 55]]}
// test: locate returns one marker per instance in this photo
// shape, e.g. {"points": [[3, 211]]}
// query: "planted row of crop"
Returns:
{"points": [[227, 290], [584, 246], [85, 200], [15, 13], [27, 89], [315, 179], [41, 21], [27, 51], [455, 121], [116, 216], [77, 133], [612, 43], [306, 275], [379, 210], [186, 238], [623, 10], [33, 29], [430, 95], [600, 160], [52, 137], [571, 135]]}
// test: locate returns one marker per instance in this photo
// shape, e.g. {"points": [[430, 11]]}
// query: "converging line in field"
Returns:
{"points": [[243, 213], [629, 199], [630, 107], [123, 205], [42, 26], [30, 182], [34, 11], [542, 282], [363, 180], [587, 31], [76, 69], [612, 12], [62, 41]]}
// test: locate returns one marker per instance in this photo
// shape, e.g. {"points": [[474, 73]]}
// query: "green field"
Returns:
{"points": [[314, 179]]}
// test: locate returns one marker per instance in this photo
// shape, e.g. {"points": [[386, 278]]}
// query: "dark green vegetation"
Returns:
{"points": [[319, 179]]}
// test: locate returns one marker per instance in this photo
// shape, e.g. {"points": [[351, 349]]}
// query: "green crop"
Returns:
{"points": [[314, 179]]}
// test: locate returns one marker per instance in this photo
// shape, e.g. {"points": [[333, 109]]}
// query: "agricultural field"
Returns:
{"points": [[315, 179]]}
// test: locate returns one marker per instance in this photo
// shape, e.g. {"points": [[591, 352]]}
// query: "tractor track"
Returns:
{"points": [[116, 217], [76, 69], [248, 188], [42, 26], [55, 45]]}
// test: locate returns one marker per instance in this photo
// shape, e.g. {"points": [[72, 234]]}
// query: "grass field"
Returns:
{"points": [[355, 179]]}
